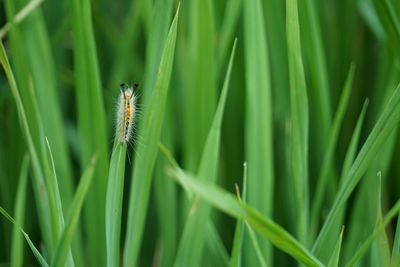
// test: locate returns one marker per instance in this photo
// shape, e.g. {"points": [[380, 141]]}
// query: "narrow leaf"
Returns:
{"points": [[150, 131], [71, 224]]}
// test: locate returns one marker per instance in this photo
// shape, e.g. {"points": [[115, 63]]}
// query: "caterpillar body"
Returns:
{"points": [[126, 113]]}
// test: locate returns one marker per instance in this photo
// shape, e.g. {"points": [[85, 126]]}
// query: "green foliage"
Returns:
{"points": [[312, 115]]}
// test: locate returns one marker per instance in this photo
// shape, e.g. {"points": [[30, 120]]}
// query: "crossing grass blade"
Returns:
{"points": [[71, 224], [115, 190], [150, 131], [192, 241], [258, 121], [299, 122], [35, 251], [227, 203], [91, 126], [17, 249], [323, 177], [386, 123]]}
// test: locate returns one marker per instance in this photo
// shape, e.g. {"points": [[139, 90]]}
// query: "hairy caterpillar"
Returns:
{"points": [[126, 113]]}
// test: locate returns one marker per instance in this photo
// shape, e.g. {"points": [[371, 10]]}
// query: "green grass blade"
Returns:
{"points": [[299, 121], [56, 210], [228, 203], [35, 251], [41, 65], [334, 260], [123, 60], [147, 152], [218, 255], [381, 245], [20, 16], [357, 255], [43, 206], [236, 255], [229, 24], [386, 123], [352, 148], [115, 190], [320, 100], [396, 243], [166, 195], [92, 127], [17, 249], [200, 81], [71, 224], [258, 120], [158, 33], [192, 241], [256, 246], [350, 154], [388, 18], [324, 175]]}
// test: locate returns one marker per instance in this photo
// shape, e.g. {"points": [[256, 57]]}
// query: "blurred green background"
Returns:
{"points": [[311, 107]]}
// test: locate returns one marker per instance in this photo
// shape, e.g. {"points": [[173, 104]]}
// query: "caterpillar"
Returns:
{"points": [[126, 113]]}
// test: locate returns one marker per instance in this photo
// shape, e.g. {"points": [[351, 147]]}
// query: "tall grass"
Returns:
{"points": [[267, 133]]}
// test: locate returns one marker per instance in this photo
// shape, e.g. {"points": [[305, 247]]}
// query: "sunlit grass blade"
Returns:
{"points": [[386, 123], [115, 190], [35, 251], [299, 122], [228, 203], [357, 255], [334, 260], [91, 126], [71, 224], [324, 175], [150, 131], [236, 254], [192, 241], [258, 121], [17, 249]]}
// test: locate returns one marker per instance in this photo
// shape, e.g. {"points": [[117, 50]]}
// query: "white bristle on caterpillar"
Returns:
{"points": [[125, 113]]}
